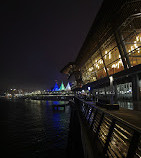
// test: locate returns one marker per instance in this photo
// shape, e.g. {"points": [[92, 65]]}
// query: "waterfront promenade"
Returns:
{"points": [[132, 117], [109, 133]]}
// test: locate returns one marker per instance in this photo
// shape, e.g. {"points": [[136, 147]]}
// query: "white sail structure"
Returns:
{"points": [[68, 88]]}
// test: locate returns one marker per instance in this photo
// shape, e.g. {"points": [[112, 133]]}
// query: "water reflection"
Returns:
{"points": [[59, 106], [33, 129], [56, 102]]}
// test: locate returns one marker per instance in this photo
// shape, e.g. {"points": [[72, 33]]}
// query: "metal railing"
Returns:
{"points": [[117, 138]]}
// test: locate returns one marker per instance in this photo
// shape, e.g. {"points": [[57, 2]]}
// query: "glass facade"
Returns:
{"points": [[98, 65], [96, 69], [124, 91], [131, 36], [112, 56], [108, 57]]}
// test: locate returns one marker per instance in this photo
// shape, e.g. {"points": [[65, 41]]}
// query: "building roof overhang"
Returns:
{"points": [[66, 69]]}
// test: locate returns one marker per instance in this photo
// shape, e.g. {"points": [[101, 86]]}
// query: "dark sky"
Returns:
{"points": [[38, 38]]}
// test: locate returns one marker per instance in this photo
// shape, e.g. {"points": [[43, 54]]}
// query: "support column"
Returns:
{"points": [[115, 90], [93, 68], [104, 63], [122, 54], [122, 42], [135, 88], [124, 49]]}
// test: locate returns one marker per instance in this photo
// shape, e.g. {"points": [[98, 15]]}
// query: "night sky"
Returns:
{"points": [[38, 38]]}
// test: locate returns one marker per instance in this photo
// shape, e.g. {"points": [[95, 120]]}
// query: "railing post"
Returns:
{"points": [[86, 111], [133, 144], [90, 115], [100, 122], [93, 119], [109, 136]]}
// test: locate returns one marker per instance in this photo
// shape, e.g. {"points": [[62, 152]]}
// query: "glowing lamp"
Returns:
{"points": [[111, 80], [89, 88]]}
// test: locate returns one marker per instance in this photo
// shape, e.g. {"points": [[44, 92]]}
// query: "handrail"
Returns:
{"points": [[113, 116], [117, 137]]}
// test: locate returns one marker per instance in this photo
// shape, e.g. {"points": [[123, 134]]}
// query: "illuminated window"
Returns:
{"points": [[98, 65], [131, 34], [111, 56], [88, 72]]}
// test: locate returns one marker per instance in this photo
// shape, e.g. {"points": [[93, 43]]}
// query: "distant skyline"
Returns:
{"points": [[38, 38]]}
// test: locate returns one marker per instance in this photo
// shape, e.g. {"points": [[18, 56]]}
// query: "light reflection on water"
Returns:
{"points": [[32, 129]]}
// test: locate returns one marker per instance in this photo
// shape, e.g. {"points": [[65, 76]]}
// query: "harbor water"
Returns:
{"points": [[33, 129]]}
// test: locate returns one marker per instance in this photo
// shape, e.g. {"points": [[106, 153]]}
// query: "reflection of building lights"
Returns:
{"points": [[109, 55], [117, 65], [94, 78], [100, 61], [138, 50], [132, 48], [135, 45], [105, 54], [113, 66], [137, 38], [91, 68]]}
